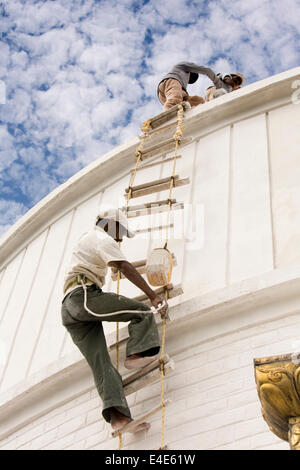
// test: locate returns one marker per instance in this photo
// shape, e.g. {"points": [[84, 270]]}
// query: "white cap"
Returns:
{"points": [[237, 74], [119, 216]]}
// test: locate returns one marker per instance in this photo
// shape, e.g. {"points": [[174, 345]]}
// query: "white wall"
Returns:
{"points": [[230, 192], [284, 125], [213, 393], [244, 198]]}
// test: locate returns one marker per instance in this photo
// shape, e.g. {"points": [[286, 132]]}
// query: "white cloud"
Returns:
{"points": [[81, 76], [7, 151], [10, 211]]}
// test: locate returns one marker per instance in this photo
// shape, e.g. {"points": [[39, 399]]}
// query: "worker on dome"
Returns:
{"points": [[172, 89], [230, 82], [85, 306]]}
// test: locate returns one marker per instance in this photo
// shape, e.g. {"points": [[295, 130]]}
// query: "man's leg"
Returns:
{"points": [[143, 333], [90, 339], [161, 92], [173, 92], [195, 100], [87, 333]]}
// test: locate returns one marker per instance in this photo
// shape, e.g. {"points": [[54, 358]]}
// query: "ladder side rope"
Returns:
{"points": [[177, 137], [117, 348], [162, 374], [145, 128]]}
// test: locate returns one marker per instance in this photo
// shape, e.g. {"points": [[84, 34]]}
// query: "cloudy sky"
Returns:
{"points": [[81, 75]]}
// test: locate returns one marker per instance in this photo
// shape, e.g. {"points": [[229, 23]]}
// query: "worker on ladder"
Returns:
{"points": [[85, 306]]}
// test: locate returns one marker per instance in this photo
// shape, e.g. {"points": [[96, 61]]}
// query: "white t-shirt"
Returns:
{"points": [[91, 256]]}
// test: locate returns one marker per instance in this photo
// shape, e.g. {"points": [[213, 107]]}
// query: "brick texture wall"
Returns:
{"points": [[214, 401]]}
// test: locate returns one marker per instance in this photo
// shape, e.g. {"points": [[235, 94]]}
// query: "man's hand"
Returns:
{"points": [[134, 276], [157, 302]]}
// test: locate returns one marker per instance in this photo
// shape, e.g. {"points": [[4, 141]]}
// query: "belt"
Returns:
{"points": [[77, 282]]}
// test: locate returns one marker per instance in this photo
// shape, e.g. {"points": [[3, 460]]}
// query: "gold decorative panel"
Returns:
{"points": [[278, 385]]}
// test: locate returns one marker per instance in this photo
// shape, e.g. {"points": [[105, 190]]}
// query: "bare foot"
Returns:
{"points": [[118, 420], [117, 426], [140, 427], [136, 361]]}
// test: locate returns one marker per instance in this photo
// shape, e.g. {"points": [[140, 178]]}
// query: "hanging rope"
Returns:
{"points": [[162, 375], [177, 137], [145, 128], [117, 347]]}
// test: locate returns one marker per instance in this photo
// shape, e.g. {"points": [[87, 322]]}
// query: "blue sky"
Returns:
{"points": [[81, 75]]}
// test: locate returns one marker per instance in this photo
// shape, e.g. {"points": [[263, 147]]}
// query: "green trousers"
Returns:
{"points": [[87, 333]]}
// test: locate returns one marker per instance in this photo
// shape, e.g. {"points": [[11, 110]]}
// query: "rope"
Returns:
{"points": [[177, 137], [162, 374], [145, 128], [117, 323], [117, 348]]}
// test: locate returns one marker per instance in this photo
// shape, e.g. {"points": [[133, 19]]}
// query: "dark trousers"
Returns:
{"points": [[87, 333]]}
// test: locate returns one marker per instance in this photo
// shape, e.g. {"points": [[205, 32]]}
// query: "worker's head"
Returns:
{"points": [[114, 222], [235, 80], [112, 228]]}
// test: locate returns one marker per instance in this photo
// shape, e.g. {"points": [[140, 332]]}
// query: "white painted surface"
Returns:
{"points": [[84, 218], [46, 328], [205, 263], [14, 313], [8, 282], [244, 177], [35, 307], [284, 125], [250, 237], [215, 402]]}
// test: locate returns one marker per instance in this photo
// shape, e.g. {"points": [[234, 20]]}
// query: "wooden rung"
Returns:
{"points": [[161, 118], [114, 275], [151, 183], [173, 291], [148, 205], [164, 147], [140, 267], [148, 378], [146, 375], [159, 130], [158, 162], [152, 229], [153, 208], [136, 264], [142, 372], [159, 187], [142, 262], [130, 426]]}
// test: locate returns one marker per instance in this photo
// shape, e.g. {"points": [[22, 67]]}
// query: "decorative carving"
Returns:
{"points": [[278, 386], [294, 433]]}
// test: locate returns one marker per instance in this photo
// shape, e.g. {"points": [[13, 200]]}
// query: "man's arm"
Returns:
{"points": [[134, 276], [191, 67]]}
